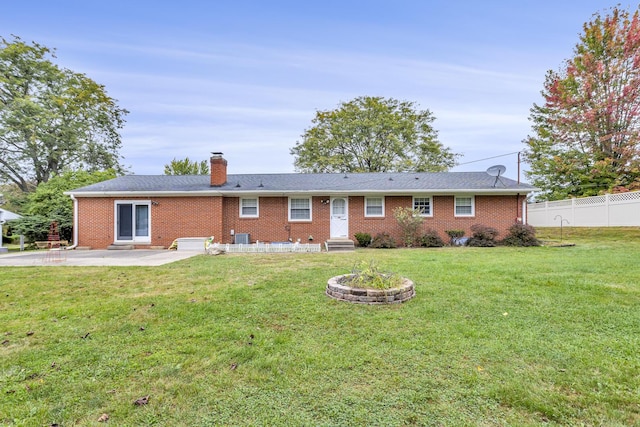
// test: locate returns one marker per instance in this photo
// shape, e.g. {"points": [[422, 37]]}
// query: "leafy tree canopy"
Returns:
{"points": [[52, 119], [586, 134], [186, 167], [372, 134]]}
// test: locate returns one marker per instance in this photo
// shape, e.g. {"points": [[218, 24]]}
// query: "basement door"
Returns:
{"points": [[339, 217]]}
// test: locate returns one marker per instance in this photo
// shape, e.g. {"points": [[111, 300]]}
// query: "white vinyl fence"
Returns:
{"points": [[610, 210]]}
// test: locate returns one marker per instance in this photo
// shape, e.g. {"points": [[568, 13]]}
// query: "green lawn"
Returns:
{"points": [[495, 336]]}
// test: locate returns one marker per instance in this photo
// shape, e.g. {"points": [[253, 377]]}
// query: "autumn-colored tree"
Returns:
{"points": [[372, 134], [587, 133], [186, 167]]}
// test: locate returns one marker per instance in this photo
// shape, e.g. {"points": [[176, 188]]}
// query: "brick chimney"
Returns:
{"points": [[218, 170]]}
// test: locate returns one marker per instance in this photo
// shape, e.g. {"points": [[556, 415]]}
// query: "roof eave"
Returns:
{"points": [[318, 192]]}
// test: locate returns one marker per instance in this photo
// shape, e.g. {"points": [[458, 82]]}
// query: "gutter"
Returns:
{"points": [[314, 192], [75, 223]]}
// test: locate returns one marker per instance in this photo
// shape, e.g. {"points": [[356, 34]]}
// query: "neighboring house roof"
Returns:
{"points": [[312, 183], [6, 215]]}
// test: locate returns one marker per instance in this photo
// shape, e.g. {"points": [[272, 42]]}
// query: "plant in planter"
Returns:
{"points": [[368, 285], [368, 275]]}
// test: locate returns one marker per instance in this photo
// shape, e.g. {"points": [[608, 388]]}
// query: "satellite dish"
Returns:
{"points": [[496, 170]]}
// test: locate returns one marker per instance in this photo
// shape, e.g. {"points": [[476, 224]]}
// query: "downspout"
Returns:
{"points": [[75, 223]]}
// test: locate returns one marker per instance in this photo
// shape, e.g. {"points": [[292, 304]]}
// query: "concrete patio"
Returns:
{"points": [[97, 258]]}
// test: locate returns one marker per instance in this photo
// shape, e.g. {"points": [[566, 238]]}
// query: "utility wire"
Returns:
{"points": [[488, 158]]}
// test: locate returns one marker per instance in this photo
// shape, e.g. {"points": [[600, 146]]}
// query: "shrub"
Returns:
{"points": [[521, 235], [454, 236], [383, 241], [363, 239], [36, 227], [431, 239], [410, 222], [483, 236]]}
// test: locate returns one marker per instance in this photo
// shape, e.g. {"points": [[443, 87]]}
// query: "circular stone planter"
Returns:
{"points": [[403, 293]]}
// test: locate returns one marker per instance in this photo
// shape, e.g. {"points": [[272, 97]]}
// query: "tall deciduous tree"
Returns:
{"points": [[52, 119], [587, 133], [186, 167], [372, 134]]}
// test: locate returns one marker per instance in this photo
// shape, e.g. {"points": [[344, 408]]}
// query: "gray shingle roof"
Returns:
{"points": [[353, 183]]}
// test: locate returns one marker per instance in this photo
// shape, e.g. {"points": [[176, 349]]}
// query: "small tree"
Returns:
{"points": [[410, 222]]}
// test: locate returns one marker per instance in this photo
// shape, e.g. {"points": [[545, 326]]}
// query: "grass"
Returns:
{"points": [[494, 337]]}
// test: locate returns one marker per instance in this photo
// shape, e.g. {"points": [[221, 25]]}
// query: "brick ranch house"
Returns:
{"points": [[152, 211]]}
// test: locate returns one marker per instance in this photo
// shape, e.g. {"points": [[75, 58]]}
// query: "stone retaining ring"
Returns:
{"points": [[403, 293]]}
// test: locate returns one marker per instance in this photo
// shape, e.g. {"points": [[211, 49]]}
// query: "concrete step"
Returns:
{"points": [[344, 245], [120, 247]]}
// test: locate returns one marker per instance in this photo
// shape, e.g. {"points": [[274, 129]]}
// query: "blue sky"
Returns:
{"points": [[246, 77]]}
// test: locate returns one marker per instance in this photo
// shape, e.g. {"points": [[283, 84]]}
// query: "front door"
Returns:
{"points": [[339, 217]]}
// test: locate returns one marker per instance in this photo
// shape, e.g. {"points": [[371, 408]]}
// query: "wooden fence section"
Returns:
{"points": [[610, 210]]}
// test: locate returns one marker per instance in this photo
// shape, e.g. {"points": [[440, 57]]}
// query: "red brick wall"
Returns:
{"points": [[175, 217], [500, 212], [171, 218], [273, 225]]}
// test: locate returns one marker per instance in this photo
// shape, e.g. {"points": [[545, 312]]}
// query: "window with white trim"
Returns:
{"points": [[465, 205], [423, 204], [249, 207], [300, 209], [374, 206]]}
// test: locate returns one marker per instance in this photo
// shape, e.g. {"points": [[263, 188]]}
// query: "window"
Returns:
{"points": [[300, 209], [133, 221], [374, 206], [249, 208], [422, 204], [464, 206]]}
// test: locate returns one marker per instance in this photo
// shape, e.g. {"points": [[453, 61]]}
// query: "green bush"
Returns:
{"points": [[521, 235], [482, 236], [431, 239], [36, 227], [383, 241], [363, 239]]}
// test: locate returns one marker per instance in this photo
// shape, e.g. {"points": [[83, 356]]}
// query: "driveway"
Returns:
{"points": [[98, 258]]}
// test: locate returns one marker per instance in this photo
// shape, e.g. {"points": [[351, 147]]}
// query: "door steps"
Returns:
{"points": [[339, 245], [120, 247]]}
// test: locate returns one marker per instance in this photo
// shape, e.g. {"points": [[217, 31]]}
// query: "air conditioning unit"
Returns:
{"points": [[242, 239]]}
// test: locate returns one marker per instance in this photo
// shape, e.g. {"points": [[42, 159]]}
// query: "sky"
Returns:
{"points": [[246, 78]]}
